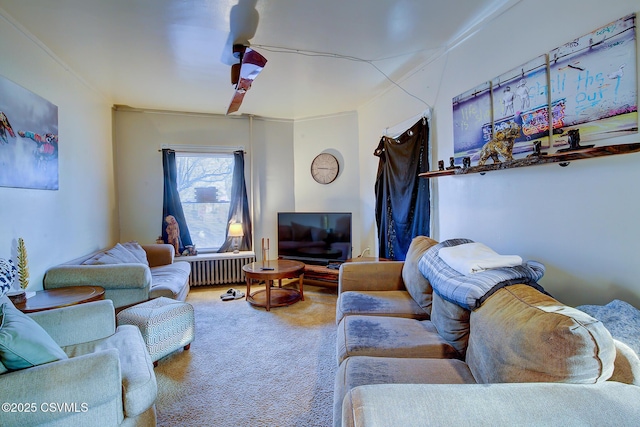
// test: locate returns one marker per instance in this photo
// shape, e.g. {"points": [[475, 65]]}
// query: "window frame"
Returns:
{"points": [[187, 205]]}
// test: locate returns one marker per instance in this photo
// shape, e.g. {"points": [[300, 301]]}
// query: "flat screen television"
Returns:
{"points": [[314, 237]]}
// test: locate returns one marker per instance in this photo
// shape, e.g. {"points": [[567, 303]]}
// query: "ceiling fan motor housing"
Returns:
{"points": [[238, 53]]}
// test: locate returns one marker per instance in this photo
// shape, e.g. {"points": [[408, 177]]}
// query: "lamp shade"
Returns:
{"points": [[235, 230]]}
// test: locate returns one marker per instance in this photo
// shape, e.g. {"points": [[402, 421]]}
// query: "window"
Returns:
{"points": [[204, 184]]}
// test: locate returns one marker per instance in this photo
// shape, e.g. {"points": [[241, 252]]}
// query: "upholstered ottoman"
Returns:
{"points": [[166, 325]]}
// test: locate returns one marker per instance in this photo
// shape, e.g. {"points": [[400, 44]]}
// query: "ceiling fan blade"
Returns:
{"points": [[234, 106], [243, 22], [252, 64]]}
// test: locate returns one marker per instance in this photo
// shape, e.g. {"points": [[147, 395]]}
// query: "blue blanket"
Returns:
{"points": [[620, 318], [470, 291]]}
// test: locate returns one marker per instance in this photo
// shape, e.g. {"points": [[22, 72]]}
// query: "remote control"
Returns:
{"points": [[267, 268]]}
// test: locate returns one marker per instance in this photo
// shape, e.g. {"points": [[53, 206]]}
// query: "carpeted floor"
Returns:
{"points": [[250, 367]]}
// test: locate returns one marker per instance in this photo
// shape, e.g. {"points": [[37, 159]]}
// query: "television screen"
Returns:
{"points": [[314, 237]]}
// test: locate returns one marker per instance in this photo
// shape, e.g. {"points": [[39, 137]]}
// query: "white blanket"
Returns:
{"points": [[475, 257]]}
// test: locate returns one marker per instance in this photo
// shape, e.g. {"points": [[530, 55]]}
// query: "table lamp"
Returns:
{"points": [[235, 232]]}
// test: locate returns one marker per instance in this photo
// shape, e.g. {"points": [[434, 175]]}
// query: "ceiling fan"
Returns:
{"points": [[243, 73], [245, 62]]}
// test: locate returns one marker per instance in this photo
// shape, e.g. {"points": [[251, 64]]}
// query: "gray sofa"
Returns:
{"points": [[521, 358], [86, 372], [130, 273]]}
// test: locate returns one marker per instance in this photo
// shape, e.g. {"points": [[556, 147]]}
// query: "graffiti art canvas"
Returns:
{"points": [[471, 111], [28, 139], [595, 78], [585, 90], [521, 103]]}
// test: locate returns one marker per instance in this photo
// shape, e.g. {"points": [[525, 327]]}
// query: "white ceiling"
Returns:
{"points": [[173, 54]]}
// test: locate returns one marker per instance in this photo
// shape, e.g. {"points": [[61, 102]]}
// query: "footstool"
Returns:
{"points": [[165, 324]]}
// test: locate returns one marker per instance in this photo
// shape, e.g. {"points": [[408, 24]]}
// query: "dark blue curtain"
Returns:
{"points": [[402, 198], [171, 204], [239, 207]]}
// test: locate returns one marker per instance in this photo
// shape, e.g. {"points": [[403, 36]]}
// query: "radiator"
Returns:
{"points": [[219, 270]]}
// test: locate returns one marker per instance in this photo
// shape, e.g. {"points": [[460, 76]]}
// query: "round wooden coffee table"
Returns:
{"points": [[61, 297], [270, 271]]}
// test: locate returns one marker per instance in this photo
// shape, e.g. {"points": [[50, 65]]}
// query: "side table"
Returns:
{"points": [[270, 271], [61, 297]]}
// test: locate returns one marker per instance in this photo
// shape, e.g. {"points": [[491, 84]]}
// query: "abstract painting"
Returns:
{"points": [[28, 139]]}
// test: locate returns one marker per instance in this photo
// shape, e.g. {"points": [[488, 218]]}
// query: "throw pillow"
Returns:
{"points": [[116, 255], [23, 343], [522, 335], [137, 251], [7, 275], [417, 285]]}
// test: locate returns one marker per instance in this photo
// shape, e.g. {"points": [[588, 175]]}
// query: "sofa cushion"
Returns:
{"points": [[452, 323], [390, 337], [169, 280], [116, 255], [415, 282], [24, 343], [379, 303], [363, 370], [522, 335], [481, 405], [139, 385]]}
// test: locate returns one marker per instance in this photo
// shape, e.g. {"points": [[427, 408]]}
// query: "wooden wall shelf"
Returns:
{"points": [[562, 158]]}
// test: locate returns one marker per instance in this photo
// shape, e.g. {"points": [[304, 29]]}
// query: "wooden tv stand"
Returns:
{"points": [[328, 276]]}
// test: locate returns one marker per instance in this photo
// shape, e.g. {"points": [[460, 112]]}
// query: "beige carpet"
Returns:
{"points": [[250, 367]]}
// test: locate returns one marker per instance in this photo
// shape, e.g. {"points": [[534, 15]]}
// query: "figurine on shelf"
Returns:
{"points": [[440, 165], [537, 147], [500, 145], [573, 138], [452, 165], [173, 233], [466, 162], [190, 250]]}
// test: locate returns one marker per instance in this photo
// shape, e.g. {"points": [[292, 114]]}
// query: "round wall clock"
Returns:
{"points": [[325, 168]]}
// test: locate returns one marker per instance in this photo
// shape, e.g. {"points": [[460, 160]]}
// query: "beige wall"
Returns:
{"points": [[337, 135], [81, 216], [580, 221]]}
